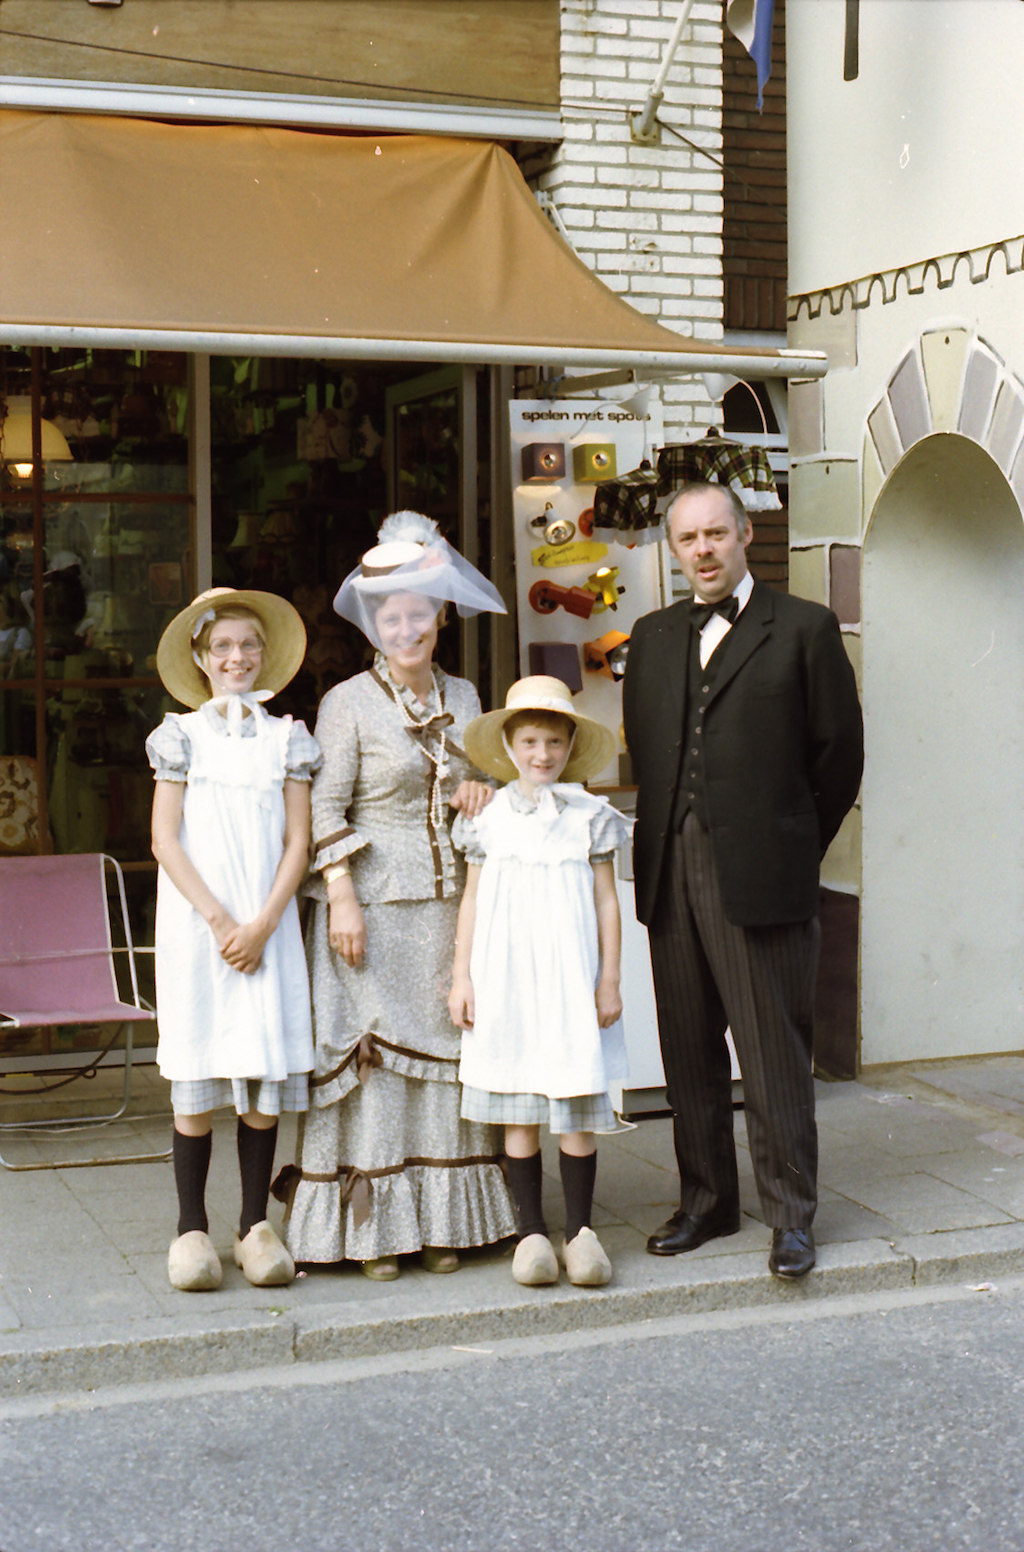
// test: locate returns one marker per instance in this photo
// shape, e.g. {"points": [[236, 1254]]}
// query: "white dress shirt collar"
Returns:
{"points": [[742, 591], [718, 627]]}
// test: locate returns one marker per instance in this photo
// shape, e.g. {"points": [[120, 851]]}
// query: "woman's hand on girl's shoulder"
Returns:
{"points": [[472, 797]]}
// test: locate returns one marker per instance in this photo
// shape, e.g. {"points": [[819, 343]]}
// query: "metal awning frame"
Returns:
{"points": [[204, 105], [652, 363]]}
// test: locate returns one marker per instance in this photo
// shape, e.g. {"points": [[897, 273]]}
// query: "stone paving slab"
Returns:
{"points": [[922, 1182]]}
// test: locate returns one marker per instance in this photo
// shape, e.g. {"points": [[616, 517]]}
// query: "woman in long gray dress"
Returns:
{"points": [[386, 1164]]}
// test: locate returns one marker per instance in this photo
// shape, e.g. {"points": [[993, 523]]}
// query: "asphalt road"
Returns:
{"points": [[869, 1423]]}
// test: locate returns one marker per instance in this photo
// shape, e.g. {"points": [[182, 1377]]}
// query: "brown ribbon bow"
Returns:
{"points": [[357, 1188], [431, 727], [284, 1186], [367, 1057]]}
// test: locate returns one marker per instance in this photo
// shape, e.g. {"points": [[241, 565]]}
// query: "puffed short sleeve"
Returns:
{"points": [[466, 838], [608, 831], [302, 756], [169, 750]]}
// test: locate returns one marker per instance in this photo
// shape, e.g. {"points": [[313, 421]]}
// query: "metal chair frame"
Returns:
{"points": [[34, 1017]]}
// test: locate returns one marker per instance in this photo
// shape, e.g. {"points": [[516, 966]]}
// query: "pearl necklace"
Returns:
{"points": [[439, 760]]}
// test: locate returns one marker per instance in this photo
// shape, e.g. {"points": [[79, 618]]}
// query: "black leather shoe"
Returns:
{"points": [[792, 1253], [685, 1231]]}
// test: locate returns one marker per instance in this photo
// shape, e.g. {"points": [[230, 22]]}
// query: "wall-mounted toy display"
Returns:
{"points": [[627, 508], [607, 655], [559, 660], [546, 597], [543, 461], [571, 567], [593, 461]]}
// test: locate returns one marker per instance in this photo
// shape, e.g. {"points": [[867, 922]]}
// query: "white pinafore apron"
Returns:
{"points": [[535, 961], [215, 1022]]}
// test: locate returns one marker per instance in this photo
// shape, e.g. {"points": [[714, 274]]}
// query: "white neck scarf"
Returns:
{"points": [[234, 706]]}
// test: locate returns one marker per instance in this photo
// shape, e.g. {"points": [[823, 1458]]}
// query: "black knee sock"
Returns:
{"points": [[256, 1165], [525, 1181], [578, 1175], [191, 1167]]}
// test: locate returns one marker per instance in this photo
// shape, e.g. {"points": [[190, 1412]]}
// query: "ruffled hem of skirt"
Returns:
{"points": [[450, 1206]]}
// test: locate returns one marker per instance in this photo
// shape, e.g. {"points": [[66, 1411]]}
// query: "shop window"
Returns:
{"points": [[299, 489], [307, 458], [98, 547], [95, 557]]}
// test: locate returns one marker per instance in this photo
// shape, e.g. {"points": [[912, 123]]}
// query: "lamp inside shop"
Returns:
{"points": [[16, 452]]}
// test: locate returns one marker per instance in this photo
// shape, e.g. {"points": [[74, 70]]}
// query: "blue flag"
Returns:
{"points": [[751, 22]]}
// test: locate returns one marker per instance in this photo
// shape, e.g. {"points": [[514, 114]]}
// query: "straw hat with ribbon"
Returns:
{"points": [[283, 631], [592, 747]]}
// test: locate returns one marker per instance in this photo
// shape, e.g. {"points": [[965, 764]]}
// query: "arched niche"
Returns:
{"points": [[942, 905]]}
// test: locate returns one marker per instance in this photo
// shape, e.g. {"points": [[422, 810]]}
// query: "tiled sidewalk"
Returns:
{"points": [[922, 1179]]}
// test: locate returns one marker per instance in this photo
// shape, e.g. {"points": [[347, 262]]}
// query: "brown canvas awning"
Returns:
{"points": [[252, 239]]}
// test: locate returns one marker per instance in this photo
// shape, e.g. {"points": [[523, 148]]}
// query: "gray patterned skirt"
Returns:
{"points": [[386, 1163]]}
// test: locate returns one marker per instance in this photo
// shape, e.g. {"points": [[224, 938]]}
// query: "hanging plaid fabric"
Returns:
{"points": [[745, 469], [626, 509]]}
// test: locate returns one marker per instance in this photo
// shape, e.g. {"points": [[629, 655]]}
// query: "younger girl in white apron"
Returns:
{"points": [[535, 981]]}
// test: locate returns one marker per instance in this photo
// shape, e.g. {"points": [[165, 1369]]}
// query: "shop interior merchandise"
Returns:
{"points": [[305, 459]]}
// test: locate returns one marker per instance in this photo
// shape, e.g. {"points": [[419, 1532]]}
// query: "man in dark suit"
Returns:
{"points": [[744, 728]]}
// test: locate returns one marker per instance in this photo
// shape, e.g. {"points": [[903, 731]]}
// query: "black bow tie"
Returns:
{"points": [[700, 614]]}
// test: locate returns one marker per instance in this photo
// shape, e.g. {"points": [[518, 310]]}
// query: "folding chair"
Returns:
{"points": [[57, 966]]}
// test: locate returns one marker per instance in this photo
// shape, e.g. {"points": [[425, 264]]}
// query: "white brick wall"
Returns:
{"points": [[646, 219]]}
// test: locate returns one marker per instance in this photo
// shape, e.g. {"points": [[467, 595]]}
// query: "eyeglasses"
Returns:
{"points": [[250, 646]]}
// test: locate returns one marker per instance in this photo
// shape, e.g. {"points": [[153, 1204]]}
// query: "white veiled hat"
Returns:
{"points": [[411, 556]]}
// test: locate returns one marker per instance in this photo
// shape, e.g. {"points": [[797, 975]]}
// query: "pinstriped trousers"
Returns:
{"points": [[759, 982]]}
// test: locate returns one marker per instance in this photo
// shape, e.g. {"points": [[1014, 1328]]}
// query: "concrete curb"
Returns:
{"points": [[35, 1364]]}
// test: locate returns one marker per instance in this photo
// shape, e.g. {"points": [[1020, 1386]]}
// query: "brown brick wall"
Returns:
{"points": [[769, 549], [754, 229]]}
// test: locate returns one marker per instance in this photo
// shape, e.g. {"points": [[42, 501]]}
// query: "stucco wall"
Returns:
{"points": [[911, 454], [837, 449], [915, 157], [907, 479]]}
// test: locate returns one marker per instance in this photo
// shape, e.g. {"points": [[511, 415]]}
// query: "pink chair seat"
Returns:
{"points": [[57, 966], [56, 954]]}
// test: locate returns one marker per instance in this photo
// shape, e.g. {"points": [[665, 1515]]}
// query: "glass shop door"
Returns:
{"points": [[434, 442]]}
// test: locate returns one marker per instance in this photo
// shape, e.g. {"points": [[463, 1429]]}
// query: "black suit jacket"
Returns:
{"points": [[783, 751]]}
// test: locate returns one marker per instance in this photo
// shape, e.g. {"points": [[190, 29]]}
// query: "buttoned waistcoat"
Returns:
{"points": [[783, 751]]}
